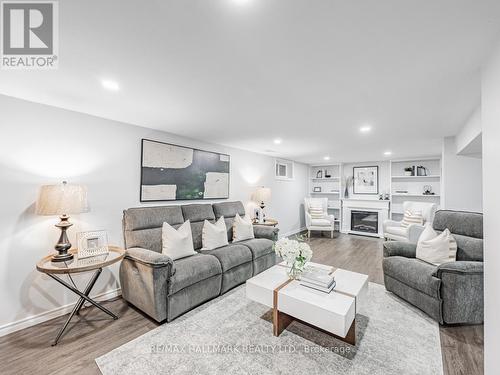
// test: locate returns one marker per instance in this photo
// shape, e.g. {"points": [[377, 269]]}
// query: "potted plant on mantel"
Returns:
{"points": [[409, 171]]}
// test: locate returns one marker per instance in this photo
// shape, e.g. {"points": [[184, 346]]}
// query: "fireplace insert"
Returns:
{"points": [[364, 221]]}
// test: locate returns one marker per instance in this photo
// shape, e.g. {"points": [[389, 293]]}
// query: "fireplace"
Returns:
{"points": [[364, 221]]}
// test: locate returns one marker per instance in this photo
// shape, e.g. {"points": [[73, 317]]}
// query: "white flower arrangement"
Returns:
{"points": [[295, 253]]}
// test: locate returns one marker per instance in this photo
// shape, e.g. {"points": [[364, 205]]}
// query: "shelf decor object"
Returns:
{"points": [[365, 180], [62, 199]]}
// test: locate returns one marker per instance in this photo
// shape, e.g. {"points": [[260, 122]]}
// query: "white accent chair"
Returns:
{"points": [[395, 232], [325, 223]]}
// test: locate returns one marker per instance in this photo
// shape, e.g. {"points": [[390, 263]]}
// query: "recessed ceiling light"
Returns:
{"points": [[278, 141], [326, 158], [365, 129], [388, 153], [110, 85]]}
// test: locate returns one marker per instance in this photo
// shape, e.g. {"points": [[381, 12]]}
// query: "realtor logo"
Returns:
{"points": [[30, 35]]}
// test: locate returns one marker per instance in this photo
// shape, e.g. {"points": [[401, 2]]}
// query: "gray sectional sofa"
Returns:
{"points": [[451, 293], [165, 289]]}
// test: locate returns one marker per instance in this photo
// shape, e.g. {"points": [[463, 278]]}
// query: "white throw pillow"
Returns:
{"points": [[214, 235], [410, 217], [177, 243], [436, 249], [242, 229], [316, 211]]}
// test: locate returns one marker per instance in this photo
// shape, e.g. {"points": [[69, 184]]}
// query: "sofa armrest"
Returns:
{"points": [[460, 268], [398, 248], [414, 232], [149, 257], [263, 231], [144, 279], [391, 223], [462, 288]]}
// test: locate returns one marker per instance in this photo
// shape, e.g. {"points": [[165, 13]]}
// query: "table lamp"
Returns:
{"points": [[262, 196], [62, 199]]}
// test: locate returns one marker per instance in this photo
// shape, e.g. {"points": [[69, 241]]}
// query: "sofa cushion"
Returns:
{"points": [[259, 246], [151, 217], [468, 224], [242, 229], [413, 273], [177, 243], [198, 212], [321, 223], [193, 269], [142, 226], [228, 209], [231, 256], [214, 235]]}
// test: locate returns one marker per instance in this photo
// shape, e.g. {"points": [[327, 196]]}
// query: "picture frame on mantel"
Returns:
{"points": [[365, 180]]}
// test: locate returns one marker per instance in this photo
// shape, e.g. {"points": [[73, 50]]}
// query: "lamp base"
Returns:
{"points": [[61, 258], [63, 245]]}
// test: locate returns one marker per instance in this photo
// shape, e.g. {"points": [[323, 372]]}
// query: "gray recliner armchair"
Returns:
{"points": [[451, 293]]}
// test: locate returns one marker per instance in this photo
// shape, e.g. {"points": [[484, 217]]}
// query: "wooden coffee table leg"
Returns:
{"points": [[280, 321], [350, 338]]}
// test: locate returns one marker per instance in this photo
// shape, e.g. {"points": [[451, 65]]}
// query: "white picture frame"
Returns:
{"points": [[92, 243]]}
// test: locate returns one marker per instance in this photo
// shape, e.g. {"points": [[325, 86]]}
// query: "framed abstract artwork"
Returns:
{"points": [[365, 180], [171, 172]]}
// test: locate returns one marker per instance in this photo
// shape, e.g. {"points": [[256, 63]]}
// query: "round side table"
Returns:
{"points": [[77, 265]]}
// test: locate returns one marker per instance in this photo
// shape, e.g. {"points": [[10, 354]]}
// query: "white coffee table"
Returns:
{"points": [[333, 313]]}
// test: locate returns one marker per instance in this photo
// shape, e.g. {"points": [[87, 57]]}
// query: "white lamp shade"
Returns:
{"points": [[62, 199], [263, 194]]}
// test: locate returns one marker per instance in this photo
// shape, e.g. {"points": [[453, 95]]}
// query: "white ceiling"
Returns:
{"points": [[243, 72]]}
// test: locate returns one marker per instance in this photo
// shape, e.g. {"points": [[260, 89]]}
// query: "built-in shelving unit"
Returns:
{"points": [[330, 186], [426, 173]]}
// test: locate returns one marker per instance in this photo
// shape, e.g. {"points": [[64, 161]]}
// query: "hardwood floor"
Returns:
{"points": [[29, 351]]}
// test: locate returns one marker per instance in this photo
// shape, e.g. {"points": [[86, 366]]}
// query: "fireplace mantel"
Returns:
{"points": [[370, 205]]}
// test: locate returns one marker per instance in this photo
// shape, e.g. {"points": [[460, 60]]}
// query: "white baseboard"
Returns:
{"points": [[51, 314], [291, 233]]}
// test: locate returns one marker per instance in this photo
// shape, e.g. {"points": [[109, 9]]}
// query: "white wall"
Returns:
{"points": [[384, 177], [490, 114], [41, 144], [470, 134], [462, 179]]}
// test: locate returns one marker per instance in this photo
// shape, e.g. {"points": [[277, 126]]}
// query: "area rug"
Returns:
{"points": [[233, 335]]}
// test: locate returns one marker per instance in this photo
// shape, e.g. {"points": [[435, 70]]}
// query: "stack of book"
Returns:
{"points": [[318, 278]]}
